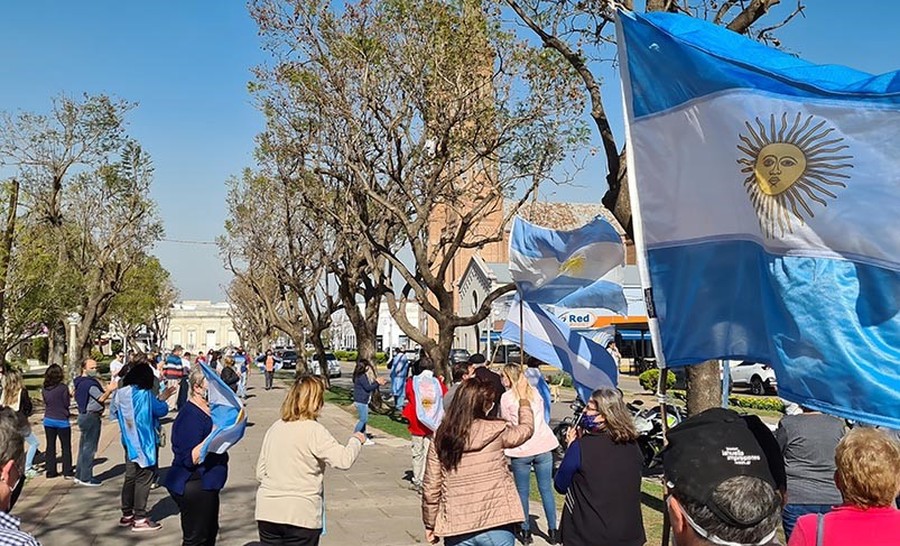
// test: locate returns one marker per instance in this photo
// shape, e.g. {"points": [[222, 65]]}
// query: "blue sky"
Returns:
{"points": [[187, 64]]}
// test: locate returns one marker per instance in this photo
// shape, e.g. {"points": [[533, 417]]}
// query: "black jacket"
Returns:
{"points": [[603, 503], [231, 378]]}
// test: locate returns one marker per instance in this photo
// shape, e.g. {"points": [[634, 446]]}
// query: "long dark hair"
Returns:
{"points": [[53, 376], [140, 374], [362, 366], [472, 401]]}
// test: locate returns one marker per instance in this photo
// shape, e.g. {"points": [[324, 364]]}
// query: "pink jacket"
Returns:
{"points": [[543, 439]]}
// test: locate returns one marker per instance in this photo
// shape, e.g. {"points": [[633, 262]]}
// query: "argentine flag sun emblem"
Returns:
{"points": [[792, 171]]}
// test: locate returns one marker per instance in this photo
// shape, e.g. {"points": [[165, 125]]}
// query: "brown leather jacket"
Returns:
{"points": [[480, 494]]}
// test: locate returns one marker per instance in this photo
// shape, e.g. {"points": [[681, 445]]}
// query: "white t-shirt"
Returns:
{"points": [[114, 368]]}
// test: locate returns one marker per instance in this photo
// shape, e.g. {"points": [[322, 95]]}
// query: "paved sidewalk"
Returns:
{"points": [[368, 504]]}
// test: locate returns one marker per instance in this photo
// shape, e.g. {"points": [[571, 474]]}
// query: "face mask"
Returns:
{"points": [[17, 490], [92, 373], [589, 422]]}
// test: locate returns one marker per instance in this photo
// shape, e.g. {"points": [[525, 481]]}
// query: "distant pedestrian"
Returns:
{"points": [[424, 411], [868, 477], [469, 496], [363, 387], [269, 366], [399, 366], [243, 364], [536, 453], [11, 479], [290, 506], [15, 396], [57, 400], [600, 476], [807, 442], [139, 409], [195, 485], [485, 374], [174, 372], [229, 375], [460, 372], [90, 397], [116, 366]]}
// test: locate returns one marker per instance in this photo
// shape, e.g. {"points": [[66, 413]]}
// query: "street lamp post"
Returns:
{"points": [[73, 319]]}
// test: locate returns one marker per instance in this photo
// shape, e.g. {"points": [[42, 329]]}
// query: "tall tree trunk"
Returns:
{"points": [[704, 387], [440, 352], [56, 343], [6, 255]]}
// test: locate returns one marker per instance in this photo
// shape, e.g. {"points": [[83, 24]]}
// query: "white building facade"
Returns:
{"points": [[199, 325], [388, 334]]}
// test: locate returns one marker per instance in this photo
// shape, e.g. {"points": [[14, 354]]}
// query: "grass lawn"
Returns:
{"points": [[389, 423]]}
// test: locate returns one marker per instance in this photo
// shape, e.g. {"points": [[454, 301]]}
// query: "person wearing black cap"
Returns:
{"points": [[485, 374], [721, 487]]}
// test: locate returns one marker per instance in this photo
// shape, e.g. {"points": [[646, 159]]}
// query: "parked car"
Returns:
{"points": [[506, 354], [288, 359], [759, 377], [334, 367], [459, 355]]}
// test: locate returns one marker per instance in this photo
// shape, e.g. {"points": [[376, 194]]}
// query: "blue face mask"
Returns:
{"points": [[589, 422]]}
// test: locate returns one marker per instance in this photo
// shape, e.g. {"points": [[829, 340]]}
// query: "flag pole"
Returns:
{"points": [[641, 253], [521, 333]]}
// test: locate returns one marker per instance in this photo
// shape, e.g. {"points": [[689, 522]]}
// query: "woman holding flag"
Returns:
{"points": [[194, 481], [138, 411]]}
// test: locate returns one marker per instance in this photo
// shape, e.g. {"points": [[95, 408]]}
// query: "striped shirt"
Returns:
{"points": [[11, 535]]}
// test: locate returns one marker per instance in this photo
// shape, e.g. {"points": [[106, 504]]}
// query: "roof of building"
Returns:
{"points": [[500, 272], [556, 215]]}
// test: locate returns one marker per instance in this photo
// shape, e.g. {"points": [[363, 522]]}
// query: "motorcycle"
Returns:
{"points": [[647, 421], [562, 428]]}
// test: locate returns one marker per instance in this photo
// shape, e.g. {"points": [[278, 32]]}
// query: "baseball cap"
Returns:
{"points": [[708, 449]]}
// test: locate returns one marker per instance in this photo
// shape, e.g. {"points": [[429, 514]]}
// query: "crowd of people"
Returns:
{"points": [[476, 441]]}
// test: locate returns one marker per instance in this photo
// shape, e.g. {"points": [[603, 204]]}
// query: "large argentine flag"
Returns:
{"points": [[548, 339], [228, 416], [765, 191], [565, 267]]}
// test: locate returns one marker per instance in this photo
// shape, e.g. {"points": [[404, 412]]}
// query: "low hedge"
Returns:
{"points": [[554, 379], [756, 402], [346, 356], [351, 356], [650, 379]]}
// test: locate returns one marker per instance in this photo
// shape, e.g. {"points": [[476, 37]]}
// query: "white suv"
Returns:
{"points": [[759, 377]]}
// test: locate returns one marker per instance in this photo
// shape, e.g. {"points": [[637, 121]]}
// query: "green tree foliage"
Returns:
{"points": [[145, 299], [404, 111]]}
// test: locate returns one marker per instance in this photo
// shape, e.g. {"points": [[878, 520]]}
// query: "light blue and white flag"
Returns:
{"points": [[549, 340], [565, 267], [765, 191], [228, 416]]}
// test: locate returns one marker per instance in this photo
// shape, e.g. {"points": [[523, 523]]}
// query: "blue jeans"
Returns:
{"points": [[398, 389], [792, 512], [89, 423], [363, 410], [32, 449], [242, 385], [501, 536], [543, 472]]}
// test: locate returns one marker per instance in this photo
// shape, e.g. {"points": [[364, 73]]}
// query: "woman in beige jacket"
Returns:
{"points": [[291, 468], [470, 498]]}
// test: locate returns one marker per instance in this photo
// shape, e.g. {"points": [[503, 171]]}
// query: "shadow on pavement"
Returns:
{"points": [[111, 473], [164, 508]]}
